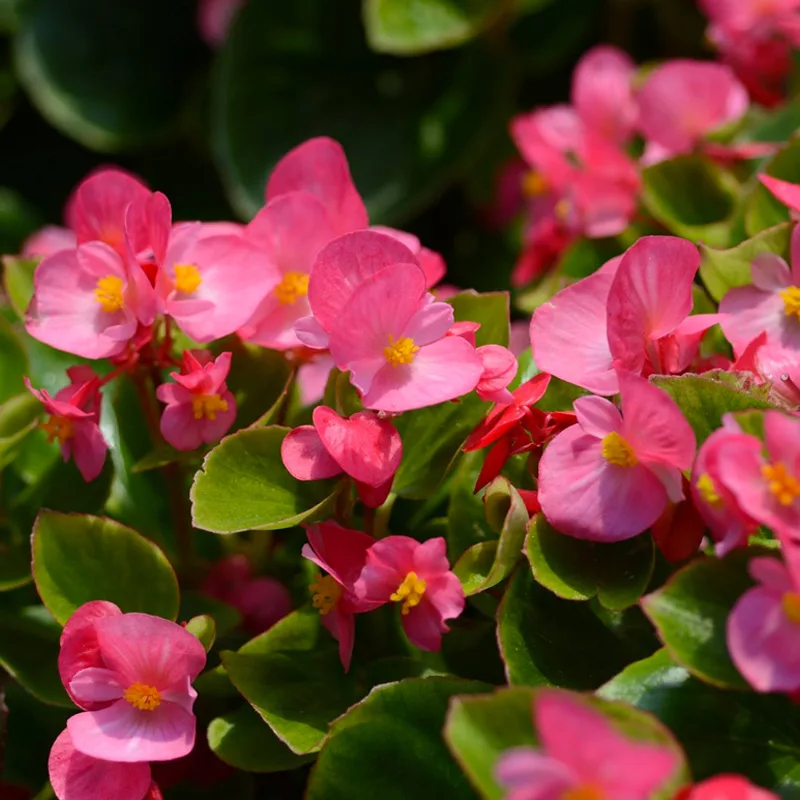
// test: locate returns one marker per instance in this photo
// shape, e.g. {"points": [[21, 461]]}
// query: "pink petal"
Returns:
{"points": [[424, 626], [96, 685], [75, 776], [179, 427], [374, 496], [339, 551], [431, 262], [771, 573], [430, 323], [770, 272], [124, 733], [311, 333], [729, 787], [261, 602], [747, 312], [342, 626], [597, 416], [306, 457], [787, 193], [388, 561], [272, 324], [212, 430], [88, 449], [531, 775], [312, 378], [499, 368], [48, 240], [782, 436], [214, 19]]}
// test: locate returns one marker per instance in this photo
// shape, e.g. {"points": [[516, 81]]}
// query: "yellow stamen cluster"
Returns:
{"points": [[410, 592], [57, 428], [617, 451], [791, 606], [586, 791], [143, 697], [534, 184], [293, 286], [326, 594], [109, 293], [708, 490], [781, 483], [791, 301], [187, 278], [208, 406], [400, 351]]}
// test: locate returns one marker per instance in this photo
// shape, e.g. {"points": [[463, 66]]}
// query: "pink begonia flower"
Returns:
{"points": [[367, 448], [75, 776], [681, 102], [132, 673], [261, 601], [610, 477], [341, 552], [214, 20], [74, 421], [772, 364], [200, 408], [633, 311], [312, 378], [771, 305], [725, 787], [400, 569], [582, 755], [767, 488], [48, 240], [730, 526]]}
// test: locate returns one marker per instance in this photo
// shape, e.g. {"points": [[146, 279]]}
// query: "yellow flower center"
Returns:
{"points": [[143, 697], [109, 293], [784, 486], [791, 301], [586, 791], [534, 184], [791, 606], [208, 406], [402, 351], [326, 594], [187, 278], [293, 286], [410, 592], [708, 490], [57, 428], [617, 451]]}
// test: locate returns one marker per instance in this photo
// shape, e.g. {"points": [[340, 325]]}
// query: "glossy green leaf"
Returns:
{"points": [[15, 560], [18, 418], [616, 573], [545, 640], [762, 209], [292, 676], [488, 563], [490, 309], [390, 746], [721, 731], [18, 281], [466, 518], [77, 558], [704, 399], [244, 741], [722, 270], [204, 628], [691, 610], [13, 362], [243, 485], [693, 197], [109, 76]]}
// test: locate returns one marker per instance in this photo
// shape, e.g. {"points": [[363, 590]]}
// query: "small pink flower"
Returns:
{"points": [[132, 673], [312, 378], [341, 552], [610, 477], [499, 365], [582, 755], [48, 240], [417, 575], [74, 421], [771, 305], [725, 787], [200, 408], [366, 447], [214, 20]]}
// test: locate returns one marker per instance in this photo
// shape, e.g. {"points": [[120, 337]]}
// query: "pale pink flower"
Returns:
{"points": [[132, 673], [48, 240], [611, 476], [417, 575], [200, 408], [582, 755], [312, 378]]}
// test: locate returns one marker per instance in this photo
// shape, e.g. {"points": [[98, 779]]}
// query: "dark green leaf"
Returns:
{"points": [[466, 519], [13, 362], [490, 309], [762, 209], [18, 281], [18, 418]]}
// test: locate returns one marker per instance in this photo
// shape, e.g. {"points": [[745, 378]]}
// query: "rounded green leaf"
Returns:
{"points": [[243, 485], [78, 558], [691, 611], [489, 309], [466, 519], [293, 678], [244, 741], [108, 75], [204, 628], [616, 573], [390, 746], [18, 281], [18, 417]]}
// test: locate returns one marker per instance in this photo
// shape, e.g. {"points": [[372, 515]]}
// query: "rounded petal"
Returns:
{"points": [[748, 312], [531, 775], [212, 430], [339, 551], [770, 272], [179, 427], [88, 449], [388, 562], [342, 626], [48, 240], [306, 457], [96, 685], [597, 416], [430, 323]]}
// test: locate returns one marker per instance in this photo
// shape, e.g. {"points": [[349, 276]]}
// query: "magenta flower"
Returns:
{"points": [[341, 552], [74, 421], [610, 477], [200, 408], [214, 20], [132, 674], [771, 305], [725, 787], [582, 756], [365, 447], [417, 575]]}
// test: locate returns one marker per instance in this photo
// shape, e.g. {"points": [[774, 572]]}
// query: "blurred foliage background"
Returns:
{"points": [[419, 92]]}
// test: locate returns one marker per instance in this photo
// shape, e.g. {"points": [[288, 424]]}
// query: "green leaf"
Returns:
{"points": [[15, 560], [18, 219], [243, 485], [244, 741], [748, 733], [390, 746], [691, 611], [18, 281], [704, 399], [490, 309], [432, 438], [486, 564], [73, 57], [204, 628], [162, 455], [13, 362], [290, 71], [18, 418], [693, 197], [762, 209], [722, 270], [78, 558], [29, 645], [616, 573], [466, 518], [196, 604], [545, 640], [292, 676]]}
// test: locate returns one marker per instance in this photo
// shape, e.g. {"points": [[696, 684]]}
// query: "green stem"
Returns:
{"points": [[382, 516]]}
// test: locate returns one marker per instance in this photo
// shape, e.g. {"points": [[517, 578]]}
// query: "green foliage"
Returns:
{"points": [[762, 209]]}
